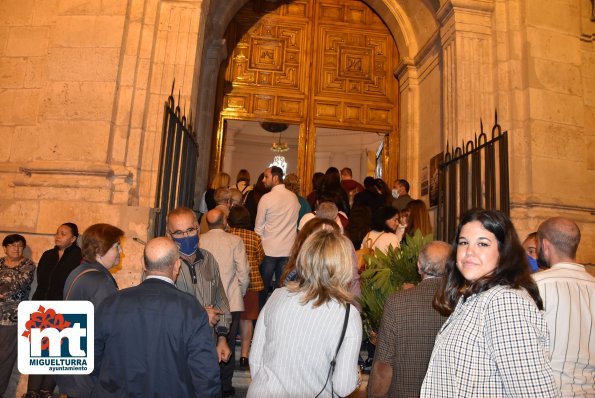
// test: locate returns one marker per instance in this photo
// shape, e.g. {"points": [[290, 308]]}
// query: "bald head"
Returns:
{"points": [[216, 219], [432, 258], [161, 257], [563, 236]]}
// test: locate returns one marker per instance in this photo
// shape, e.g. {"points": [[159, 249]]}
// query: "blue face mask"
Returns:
{"points": [[533, 264], [187, 244]]}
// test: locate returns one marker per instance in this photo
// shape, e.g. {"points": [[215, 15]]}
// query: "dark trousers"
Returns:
{"points": [[41, 383], [270, 265], [228, 367], [8, 354]]}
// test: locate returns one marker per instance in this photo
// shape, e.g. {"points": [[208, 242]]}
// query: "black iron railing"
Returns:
{"points": [[177, 164], [473, 175]]}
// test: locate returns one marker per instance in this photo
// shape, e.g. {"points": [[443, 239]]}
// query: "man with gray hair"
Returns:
{"points": [[143, 332], [568, 293], [408, 330], [327, 210]]}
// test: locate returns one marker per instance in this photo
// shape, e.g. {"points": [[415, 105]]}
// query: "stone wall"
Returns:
{"points": [[82, 88], [552, 163]]}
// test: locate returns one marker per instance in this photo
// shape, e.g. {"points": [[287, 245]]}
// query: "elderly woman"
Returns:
{"points": [[16, 275], [495, 342], [307, 324], [92, 281], [54, 267]]}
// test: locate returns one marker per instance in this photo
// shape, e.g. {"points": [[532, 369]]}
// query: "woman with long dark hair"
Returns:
{"points": [[253, 198], [386, 230], [495, 342], [332, 190]]}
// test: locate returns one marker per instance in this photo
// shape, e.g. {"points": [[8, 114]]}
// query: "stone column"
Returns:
{"points": [[468, 93], [216, 52], [408, 167]]}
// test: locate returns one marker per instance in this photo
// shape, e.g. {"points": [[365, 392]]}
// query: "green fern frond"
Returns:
{"points": [[386, 273]]}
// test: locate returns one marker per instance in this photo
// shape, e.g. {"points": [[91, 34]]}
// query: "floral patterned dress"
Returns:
{"points": [[15, 285]]}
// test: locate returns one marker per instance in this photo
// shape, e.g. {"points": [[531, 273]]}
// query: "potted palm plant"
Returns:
{"points": [[386, 273]]}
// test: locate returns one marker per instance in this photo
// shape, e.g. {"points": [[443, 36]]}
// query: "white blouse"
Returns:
{"points": [[294, 344]]}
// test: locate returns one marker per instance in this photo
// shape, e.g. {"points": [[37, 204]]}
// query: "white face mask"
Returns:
{"points": [[395, 193]]}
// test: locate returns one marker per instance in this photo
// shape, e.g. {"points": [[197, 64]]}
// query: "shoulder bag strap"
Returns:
{"points": [[76, 279], [378, 237], [334, 361]]}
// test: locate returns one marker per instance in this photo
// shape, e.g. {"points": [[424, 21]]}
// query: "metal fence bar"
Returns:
{"points": [[474, 175], [177, 165]]}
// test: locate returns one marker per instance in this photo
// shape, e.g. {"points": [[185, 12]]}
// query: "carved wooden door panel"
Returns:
{"points": [[316, 63]]}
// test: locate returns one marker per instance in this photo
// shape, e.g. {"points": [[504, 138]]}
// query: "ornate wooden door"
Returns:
{"points": [[316, 63]]}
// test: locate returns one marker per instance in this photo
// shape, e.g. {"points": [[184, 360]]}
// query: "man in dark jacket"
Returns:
{"points": [[408, 330], [153, 340], [369, 197]]}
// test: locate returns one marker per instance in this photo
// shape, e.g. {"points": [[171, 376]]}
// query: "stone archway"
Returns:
{"points": [[410, 37]]}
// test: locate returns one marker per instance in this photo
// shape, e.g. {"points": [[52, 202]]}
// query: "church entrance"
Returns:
{"points": [[320, 72]]}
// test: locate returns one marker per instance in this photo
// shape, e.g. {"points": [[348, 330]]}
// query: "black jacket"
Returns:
{"points": [[52, 272], [154, 340]]}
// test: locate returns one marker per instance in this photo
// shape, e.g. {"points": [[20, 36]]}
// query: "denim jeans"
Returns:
{"points": [[270, 265]]}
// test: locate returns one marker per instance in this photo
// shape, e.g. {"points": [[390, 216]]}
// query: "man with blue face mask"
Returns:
{"points": [[530, 246], [199, 275]]}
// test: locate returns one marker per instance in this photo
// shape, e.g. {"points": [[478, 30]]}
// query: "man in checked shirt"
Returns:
{"points": [[199, 275]]}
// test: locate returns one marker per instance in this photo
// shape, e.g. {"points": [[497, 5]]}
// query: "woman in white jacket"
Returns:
{"points": [[299, 329]]}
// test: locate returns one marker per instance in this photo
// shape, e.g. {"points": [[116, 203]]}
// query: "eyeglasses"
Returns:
{"points": [[182, 234], [16, 245]]}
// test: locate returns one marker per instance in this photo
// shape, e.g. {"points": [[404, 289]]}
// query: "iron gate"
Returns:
{"points": [[475, 175], [177, 164]]}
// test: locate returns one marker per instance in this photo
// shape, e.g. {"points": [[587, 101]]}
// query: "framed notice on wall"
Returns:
{"points": [[424, 181], [434, 171]]}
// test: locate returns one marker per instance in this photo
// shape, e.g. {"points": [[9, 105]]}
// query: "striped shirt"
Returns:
{"points": [[568, 293], [255, 254], [294, 344], [202, 280]]}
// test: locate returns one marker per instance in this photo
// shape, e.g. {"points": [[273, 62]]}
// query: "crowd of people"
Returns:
{"points": [[491, 317]]}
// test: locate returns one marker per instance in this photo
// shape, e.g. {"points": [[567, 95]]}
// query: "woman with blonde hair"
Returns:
{"points": [[308, 336]]}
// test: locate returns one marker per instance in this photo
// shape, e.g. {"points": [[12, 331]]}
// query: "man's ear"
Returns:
{"points": [[176, 269]]}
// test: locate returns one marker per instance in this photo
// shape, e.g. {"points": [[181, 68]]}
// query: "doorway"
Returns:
{"points": [[319, 65]]}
